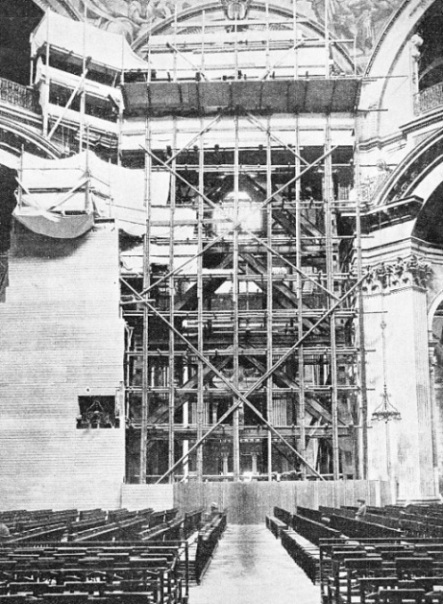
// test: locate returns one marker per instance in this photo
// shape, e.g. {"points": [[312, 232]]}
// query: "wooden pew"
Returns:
{"points": [[275, 525], [208, 539], [312, 530], [305, 554], [100, 567]]}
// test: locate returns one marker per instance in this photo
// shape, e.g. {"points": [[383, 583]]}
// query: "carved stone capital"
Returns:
{"points": [[404, 272]]}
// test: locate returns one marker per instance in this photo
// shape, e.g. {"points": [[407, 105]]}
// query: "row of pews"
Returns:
{"points": [[393, 555], [412, 521], [91, 525], [111, 557], [207, 541], [72, 573], [300, 536], [382, 570]]}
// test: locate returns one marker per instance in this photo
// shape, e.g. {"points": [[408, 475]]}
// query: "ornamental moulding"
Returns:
{"points": [[404, 272]]}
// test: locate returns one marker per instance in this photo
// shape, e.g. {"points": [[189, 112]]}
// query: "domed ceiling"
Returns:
{"points": [[348, 19]]}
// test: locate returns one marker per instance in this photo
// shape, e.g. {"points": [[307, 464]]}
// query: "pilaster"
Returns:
{"points": [[395, 292]]}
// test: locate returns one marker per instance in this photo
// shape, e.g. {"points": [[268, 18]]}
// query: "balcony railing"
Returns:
{"points": [[18, 95], [429, 99]]}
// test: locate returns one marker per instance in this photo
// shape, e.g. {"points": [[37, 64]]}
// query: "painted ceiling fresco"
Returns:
{"points": [[359, 19]]}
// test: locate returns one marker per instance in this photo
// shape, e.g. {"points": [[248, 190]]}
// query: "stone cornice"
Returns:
{"points": [[411, 170], [379, 143], [413, 127], [423, 121]]}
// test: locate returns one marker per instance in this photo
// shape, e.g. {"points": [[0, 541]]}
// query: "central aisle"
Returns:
{"points": [[250, 566]]}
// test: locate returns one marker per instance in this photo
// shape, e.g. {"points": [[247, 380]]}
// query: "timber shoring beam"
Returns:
{"points": [[237, 224], [243, 398], [312, 406], [192, 292], [192, 383]]}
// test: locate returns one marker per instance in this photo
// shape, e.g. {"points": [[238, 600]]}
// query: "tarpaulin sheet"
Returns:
{"points": [[160, 222], [85, 40], [128, 189], [54, 226], [64, 174], [76, 202], [117, 192]]}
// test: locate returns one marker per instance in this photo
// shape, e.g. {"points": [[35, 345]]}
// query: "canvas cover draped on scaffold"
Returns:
{"points": [[83, 40], [56, 193]]}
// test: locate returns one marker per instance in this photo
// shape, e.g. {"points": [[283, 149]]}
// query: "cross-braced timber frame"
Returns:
{"points": [[203, 388]]}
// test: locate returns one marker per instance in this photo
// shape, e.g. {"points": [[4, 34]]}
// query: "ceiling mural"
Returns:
{"points": [[361, 20], [131, 18]]}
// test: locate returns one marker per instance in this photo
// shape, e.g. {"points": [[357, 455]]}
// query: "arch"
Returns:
{"points": [[398, 27], [209, 6], [420, 177], [16, 137], [388, 55], [212, 6], [418, 164], [29, 136], [436, 302]]}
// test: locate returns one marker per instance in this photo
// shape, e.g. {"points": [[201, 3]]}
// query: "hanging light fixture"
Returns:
{"points": [[385, 411]]}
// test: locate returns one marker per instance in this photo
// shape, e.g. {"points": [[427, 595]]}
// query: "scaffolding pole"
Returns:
{"points": [[299, 264], [201, 402], [268, 46], [83, 90], [47, 79], [68, 104], [235, 292], [295, 29], [362, 436], [327, 68], [171, 287], [330, 276], [269, 296], [145, 342]]}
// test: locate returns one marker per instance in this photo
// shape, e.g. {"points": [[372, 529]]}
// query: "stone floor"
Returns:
{"points": [[250, 566]]}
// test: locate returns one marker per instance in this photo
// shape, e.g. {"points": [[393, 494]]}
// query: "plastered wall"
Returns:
{"points": [[60, 337]]}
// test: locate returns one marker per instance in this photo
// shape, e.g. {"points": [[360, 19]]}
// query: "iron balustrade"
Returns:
{"points": [[429, 99], [19, 95]]}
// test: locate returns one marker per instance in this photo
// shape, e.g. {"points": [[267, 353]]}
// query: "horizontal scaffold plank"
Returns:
{"points": [[310, 95]]}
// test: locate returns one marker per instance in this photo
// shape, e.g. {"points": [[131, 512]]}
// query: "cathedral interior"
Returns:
{"points": [[221, 246]]}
